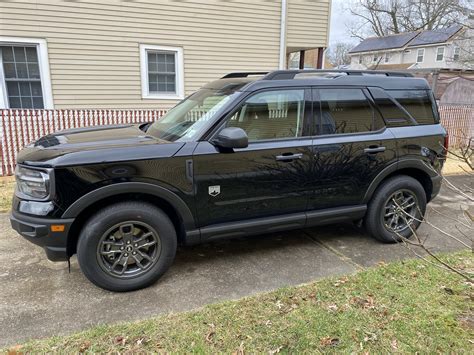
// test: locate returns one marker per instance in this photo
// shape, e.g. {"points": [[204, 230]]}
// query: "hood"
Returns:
{"points": [[99, 144]]}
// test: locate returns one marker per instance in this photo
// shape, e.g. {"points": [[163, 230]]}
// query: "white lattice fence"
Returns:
{"points": [[21, 127], [459, 122]]}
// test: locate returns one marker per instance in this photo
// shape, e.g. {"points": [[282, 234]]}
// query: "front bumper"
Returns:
{"points": [[38, 231]]}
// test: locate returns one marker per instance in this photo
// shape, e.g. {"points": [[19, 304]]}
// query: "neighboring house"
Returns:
{"points": [[441, 48], [144, 54]]}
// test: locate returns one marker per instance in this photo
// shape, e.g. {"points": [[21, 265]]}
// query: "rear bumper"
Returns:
{"points": [[38, 231]]}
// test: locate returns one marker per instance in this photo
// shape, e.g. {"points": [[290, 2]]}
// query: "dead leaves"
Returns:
{"points": [[341, 281], [329, 341], [240, 350], [448, 290], [366, 303], [15, 350], [120, 340], [210, 333], [286, 308], [84, 346]]}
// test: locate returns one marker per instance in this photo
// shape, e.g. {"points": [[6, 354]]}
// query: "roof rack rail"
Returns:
{"points": [[290, 74], [243, 74]]}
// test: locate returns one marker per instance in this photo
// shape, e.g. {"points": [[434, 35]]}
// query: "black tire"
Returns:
{"points": [[376, 217], [118, 224]]}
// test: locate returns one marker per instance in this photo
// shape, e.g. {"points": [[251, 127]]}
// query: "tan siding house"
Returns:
{"points": [[144, 53]]}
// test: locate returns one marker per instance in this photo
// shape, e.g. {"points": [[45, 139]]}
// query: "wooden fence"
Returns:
{"points": [[21, 127]]}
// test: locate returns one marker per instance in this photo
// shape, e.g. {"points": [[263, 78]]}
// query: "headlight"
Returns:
{"points": [[32, 183]]}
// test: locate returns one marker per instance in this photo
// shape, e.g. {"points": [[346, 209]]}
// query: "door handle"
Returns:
{"points": [[289, 157], [374, 150]]}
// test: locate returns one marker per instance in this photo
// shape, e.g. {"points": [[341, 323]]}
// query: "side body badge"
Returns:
{"points": [[214, 190]]}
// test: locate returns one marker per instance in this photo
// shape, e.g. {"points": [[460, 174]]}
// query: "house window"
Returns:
{"points": [[360, 59], [375, 58], [162, 72], [420, 55], [439, 54], [24, 74], [456, 53], [387, 57]]}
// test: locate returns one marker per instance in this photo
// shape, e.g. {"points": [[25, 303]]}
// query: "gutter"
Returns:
{"points": [[283, 18]]}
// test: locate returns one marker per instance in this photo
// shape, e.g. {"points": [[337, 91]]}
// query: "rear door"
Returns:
{"points": [[351, 146], [270, 177]]}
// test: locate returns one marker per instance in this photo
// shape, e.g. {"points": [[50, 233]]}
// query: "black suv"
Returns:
{"points": [[250, 153]]}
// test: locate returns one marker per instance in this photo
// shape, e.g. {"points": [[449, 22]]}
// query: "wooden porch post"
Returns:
{"points": [[301, 65], [319, 64]]}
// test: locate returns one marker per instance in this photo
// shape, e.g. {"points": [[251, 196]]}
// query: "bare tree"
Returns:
{"points": [[385, 17], [463, 52], [338, 53], [464, 223]]}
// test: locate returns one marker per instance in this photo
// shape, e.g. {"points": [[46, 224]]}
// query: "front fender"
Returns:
{"points": [[133, 187]]}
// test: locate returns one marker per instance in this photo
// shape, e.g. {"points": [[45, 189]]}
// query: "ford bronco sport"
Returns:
{"points": [[250, 153]]}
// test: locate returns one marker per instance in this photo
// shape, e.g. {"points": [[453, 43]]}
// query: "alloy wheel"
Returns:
{"points": [[128, 249], [400, 211]]}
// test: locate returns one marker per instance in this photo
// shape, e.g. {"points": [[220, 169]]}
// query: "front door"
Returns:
{"points": [[351, 146], [270, 176]]}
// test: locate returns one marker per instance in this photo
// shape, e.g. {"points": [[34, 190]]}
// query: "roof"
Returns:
{"points": [[387, 42], [435, 36], [409, 39]]}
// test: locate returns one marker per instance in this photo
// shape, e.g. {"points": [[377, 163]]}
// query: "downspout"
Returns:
{"points": [[324, 58], [284, 10]]}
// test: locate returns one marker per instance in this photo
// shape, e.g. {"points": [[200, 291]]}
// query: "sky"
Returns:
{"points": [[340, 18]]}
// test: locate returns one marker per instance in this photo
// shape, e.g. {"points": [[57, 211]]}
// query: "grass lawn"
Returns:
{"points": [[7, 188], [407, 306]]}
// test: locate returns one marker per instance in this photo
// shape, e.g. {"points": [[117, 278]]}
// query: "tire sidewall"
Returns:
{"points": [[112, 215]]}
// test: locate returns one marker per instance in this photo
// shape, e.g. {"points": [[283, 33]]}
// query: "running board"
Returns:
{"points": [[282, 222]]}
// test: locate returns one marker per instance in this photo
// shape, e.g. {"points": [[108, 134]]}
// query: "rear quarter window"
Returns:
{"points": [[418, 103]]}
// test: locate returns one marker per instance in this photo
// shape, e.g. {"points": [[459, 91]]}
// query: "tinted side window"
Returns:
{"points": [[346, 111], [393, 115], [417, 103], [271, 115]]}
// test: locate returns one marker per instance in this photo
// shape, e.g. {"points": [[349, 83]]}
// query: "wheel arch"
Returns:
{"points": [[411, 167], [169, 202]]}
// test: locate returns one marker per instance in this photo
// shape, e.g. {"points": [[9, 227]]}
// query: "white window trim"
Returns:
{"points": [[458, 49], [417, 55], [43, 62], [387, 58], [179, 63], [436, 57]]}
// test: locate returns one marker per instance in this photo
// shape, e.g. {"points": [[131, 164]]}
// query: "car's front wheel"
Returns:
{"points": [[396, 209], [126, 246]]}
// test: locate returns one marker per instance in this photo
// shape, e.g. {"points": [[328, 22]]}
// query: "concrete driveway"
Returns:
{"points": [[39, 298]]}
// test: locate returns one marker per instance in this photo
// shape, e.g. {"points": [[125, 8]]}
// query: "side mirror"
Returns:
{"points": [[231, 137]]}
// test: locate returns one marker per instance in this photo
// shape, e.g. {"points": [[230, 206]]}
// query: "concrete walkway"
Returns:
{"points": [[39, 298]]}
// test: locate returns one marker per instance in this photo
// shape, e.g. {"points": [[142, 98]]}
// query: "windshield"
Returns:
{"points": [[185, 121]]}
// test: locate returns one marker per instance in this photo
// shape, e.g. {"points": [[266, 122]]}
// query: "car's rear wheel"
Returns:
{"points": [[396, 209], [127, 246]]}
